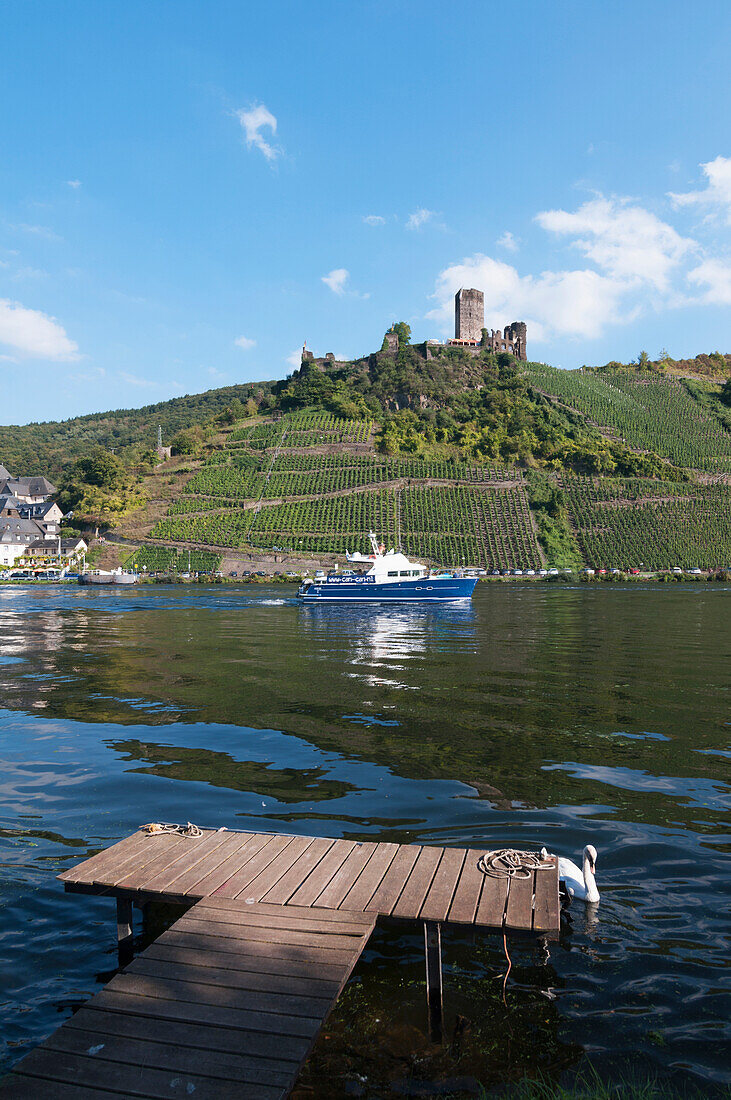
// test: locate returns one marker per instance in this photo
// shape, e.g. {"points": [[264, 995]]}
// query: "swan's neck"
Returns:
{"points": [[592, 894]]}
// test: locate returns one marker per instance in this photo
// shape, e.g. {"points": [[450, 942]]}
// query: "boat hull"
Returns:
{"points": [[124, 578], [368, 590]]}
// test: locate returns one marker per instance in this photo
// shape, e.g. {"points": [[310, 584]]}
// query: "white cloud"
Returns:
{"points": [[561, 303], [508, 241], [135, 380], [419, 218], [219, 375], [715, 276], [374, 219], [73, 183], [626, 241], [336, 280], [295, 358], [253, 121], [244, 343], [34, 334], [717, 193], [39, 231]]}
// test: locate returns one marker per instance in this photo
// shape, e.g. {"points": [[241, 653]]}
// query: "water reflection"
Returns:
{"points": [[540, 715]]}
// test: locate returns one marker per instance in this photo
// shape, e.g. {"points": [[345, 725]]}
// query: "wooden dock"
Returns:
{"points": [[228, 1002]]}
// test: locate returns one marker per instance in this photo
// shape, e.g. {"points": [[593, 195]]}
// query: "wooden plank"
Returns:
{"points": [[152, 847], [394, 880], [191, 1034], [491, 909], [16, 1086], [165, 1008], [469, 887], [188, 966], [179, 1057], [285, 936], [290, 912], [321, 956], [546, 908], [257, 956], [242, 854], [269, 876], [133, 1080], [300, 919], [439, 898], [242, 876], [370, 878], [298, 872], [176, 846], [199, 993], [417, 885], [318, 879], [519, 910], [341, 882], [187, 861], [85, 871]]}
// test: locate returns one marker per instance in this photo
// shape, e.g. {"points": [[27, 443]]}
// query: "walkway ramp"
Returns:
{"points": [[226, 1004]]}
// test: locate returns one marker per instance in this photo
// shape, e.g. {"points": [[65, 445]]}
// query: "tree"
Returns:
{"points": [[100, 468], [643, 360], [403, 331]]}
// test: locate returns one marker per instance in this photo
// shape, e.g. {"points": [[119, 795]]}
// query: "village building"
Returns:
{"points": [[29, 490], [56, 548], [30, 521]]}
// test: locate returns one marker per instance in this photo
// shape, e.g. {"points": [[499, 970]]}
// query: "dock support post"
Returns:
{"points": [[434, 998], [124, 930]]}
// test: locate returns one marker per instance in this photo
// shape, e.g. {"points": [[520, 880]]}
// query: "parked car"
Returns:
{"points": [[554, 572], [696, 572], [634, 571], [530, 572], [517, 572], [677, 570]]}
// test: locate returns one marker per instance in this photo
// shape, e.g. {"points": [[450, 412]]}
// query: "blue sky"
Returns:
{"points": [[188, 191]]}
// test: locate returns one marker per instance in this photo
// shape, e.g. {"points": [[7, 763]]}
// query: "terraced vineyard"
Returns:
{"points": [[305, 430], [232, 477], [274, 487], [447, 512], [645, 411], [639, 522], [448, 525], [165, 559]]}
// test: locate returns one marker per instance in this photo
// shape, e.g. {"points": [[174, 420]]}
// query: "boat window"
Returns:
{"points": [[416, 572], [405, 573], [394, 574]]}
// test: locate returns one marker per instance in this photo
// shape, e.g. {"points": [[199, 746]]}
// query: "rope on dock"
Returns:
{"points": [[509, 863], [190, 830]]}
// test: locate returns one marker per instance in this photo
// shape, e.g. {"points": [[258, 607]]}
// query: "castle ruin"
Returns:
{"points": [[470, 331]]}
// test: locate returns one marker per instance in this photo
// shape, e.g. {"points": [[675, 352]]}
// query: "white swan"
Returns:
{"points": [[578, 884]]}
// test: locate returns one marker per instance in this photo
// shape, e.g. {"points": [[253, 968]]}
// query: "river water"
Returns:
{"points": [[545, 714]]}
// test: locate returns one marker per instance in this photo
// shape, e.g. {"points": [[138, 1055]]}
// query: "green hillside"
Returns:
{"points": [[459, 457], [52, 447]]}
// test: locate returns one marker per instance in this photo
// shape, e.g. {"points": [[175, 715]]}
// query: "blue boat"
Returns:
{"points": [[391, 577]]}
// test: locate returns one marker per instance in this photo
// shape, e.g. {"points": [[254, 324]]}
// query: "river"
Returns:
{"points": [[544, 714]]}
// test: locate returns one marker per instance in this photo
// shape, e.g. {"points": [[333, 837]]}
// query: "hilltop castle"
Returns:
{"points": [[470, 331]]}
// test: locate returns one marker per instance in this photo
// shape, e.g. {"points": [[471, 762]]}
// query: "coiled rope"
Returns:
{"points": [[190, 830], [509, 863]]}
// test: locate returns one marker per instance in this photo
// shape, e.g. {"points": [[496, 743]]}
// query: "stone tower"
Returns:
{"points": [[518, 334], [469, 315]]}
